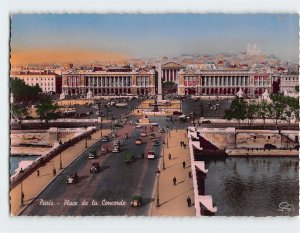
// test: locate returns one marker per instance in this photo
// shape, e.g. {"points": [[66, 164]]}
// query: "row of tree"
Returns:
{"points": [[23, 92], [46, 111], [280, 107]]}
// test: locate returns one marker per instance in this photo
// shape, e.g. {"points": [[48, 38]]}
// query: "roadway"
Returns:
{"points": [[117, 181]]}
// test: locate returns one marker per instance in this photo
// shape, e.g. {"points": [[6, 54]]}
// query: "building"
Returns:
{"points": [[48, 81], [224, 82], [288, 83], [170, 71], [111, 81]]}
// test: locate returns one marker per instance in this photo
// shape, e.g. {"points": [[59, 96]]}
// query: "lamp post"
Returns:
{"points": [[163, 155], [167, 137], [157, 187], [60, 161], [22, 193]]}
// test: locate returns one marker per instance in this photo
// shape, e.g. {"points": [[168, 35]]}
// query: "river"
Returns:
{"points": [[254, 186]]}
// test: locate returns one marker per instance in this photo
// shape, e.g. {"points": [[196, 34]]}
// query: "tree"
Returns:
{"points": [[237, 110], [18, 112], [251, 112], [47, 111], [263, 111], [169, 87], [278, 107], [23, 92]]}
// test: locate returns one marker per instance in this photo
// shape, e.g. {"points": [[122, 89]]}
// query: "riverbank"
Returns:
{"points": [[262, 153]]}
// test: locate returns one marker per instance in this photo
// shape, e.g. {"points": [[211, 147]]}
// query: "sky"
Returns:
{"points": [[62, 37]]}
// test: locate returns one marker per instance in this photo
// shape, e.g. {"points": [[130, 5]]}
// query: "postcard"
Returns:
{"points": [[154, 115]]}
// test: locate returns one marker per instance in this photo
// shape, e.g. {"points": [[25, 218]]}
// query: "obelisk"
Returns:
{"points": [[159, 88]]}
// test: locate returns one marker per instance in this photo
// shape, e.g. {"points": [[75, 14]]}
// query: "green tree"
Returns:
{"points": [[278, 107], [47, 111], [169, 87], [23, 92], [18, 112], [263, 111], [251, 112], [237, 110]]}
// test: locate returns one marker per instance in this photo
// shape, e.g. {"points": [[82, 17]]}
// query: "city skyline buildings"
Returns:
{"points": [[118, 37]]}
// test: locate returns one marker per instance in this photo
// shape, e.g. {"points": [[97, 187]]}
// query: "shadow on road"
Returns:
{"points": [[176, 196]]}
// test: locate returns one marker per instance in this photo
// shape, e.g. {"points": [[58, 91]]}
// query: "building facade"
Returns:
{"points": [[288, 83], [223, 82], [109, 82], [49, 82], [170, 71]]}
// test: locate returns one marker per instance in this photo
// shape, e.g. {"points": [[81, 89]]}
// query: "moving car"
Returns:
{"points": [[138, 141], [72, 179], [161, 130], [92, 155], [143, 134], [155, 142], [116, 143], [116, 149], [105, 139], [152, 136], [129, 157], [151, 155], [95, 168], [136, 200]]}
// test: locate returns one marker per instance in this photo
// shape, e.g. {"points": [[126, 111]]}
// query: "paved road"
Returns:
{"points": [[117, 181]]}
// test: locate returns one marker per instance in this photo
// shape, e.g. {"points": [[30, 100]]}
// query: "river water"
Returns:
{"points": [[254, 186], [14, 162]]}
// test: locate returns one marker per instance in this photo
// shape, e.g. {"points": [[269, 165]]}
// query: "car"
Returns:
{"points": [[169, 118], [270, 146], [138, 141], [116, 143], [92, 155], [116, 149], [206, 122], [177, 113], [72, 179], [125, 135], [151, 155], [152, 136], [129, 157], [155, 142], [95, 168], [161, 130], [105, 139], [143, 134], [136, 200]]}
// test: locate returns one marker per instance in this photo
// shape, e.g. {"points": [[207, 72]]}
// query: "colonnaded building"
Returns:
{"points": [[252, 82], [113, 81]]}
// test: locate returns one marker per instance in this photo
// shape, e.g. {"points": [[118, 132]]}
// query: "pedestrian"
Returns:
{"points": [[180, 143], [183, 164], [174, 181], [189, 201], [54, 171], [170, 156], [184, 145], [38, 172]]}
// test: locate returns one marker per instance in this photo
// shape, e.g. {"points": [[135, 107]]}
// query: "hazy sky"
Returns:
{"points": [[155, 35]]}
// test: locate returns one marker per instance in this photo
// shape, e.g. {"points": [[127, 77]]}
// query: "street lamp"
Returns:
{"points": [[167, 137], [157, 187], [60, 161], [163, 155], [22, 193]]}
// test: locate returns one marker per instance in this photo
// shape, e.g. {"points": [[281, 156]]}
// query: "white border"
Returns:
{"points": [[123, 224]]}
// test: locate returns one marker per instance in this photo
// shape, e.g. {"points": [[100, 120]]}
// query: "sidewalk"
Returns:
{"points": [[33, 185], [173, 198]]}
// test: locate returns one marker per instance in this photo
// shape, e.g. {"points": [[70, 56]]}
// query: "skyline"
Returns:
{"points": [[67, 37]]}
